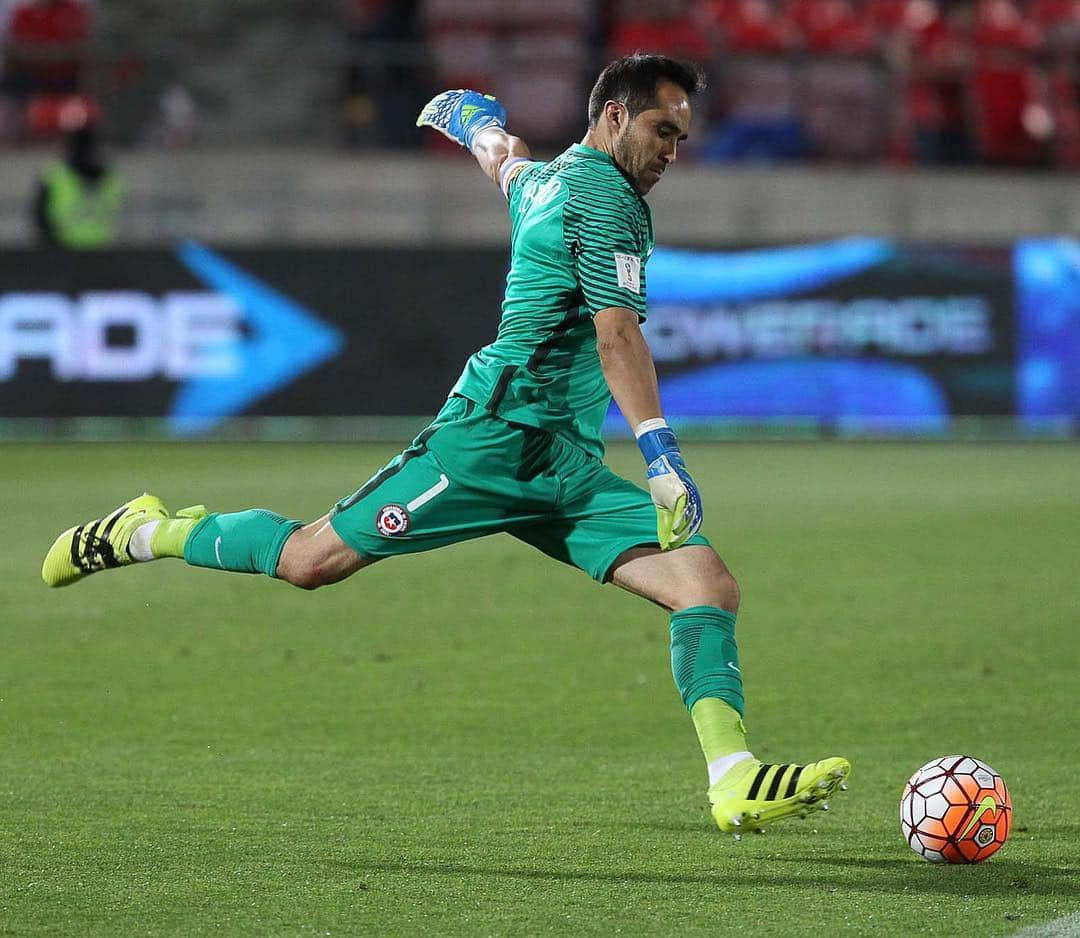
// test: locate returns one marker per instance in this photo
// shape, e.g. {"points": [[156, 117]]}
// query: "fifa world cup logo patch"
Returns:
{"points": [[392, 521]]}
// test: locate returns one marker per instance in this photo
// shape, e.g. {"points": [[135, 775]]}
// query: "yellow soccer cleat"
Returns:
{"points": [[101, 544], [752, 794]]}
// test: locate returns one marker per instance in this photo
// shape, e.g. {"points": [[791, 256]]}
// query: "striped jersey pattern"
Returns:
{"points": [[580, 239]]}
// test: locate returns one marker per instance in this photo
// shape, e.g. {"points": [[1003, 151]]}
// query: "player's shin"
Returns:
{"points": [[243, 542], [705, 665]]}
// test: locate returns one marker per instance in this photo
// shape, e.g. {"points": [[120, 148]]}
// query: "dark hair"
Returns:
{"points": [[632, 81]]}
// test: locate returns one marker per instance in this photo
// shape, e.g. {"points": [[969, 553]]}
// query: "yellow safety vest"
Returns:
{"points": [[82, 215]]}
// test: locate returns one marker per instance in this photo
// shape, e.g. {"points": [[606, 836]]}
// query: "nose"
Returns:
{"points": [[670, 152]]}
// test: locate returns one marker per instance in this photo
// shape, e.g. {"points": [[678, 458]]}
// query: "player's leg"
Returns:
{"points": [[606, 527], [442, 489], [696, 587], [259, 541], [252, 541]]}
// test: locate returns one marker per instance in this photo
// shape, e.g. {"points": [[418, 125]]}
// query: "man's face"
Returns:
{"points": [[645, 146]]}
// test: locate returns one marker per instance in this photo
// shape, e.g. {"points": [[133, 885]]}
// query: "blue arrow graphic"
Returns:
{"points": [[285, 341], [681, 276]]}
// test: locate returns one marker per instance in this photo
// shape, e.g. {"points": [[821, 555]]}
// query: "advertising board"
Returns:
{"points": [[857, 334]]}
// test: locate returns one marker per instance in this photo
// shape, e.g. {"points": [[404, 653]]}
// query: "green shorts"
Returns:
{"points": [[470, 473]]}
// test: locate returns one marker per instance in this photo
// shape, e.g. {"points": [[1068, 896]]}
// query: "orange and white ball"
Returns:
{"points": [[955, 809]]}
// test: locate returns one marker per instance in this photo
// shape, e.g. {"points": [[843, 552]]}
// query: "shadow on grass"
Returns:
{"points": [[886, 876]]}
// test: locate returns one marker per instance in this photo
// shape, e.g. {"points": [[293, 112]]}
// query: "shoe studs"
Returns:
{"points": [[824, 806], [736, 822], [843, 786]]}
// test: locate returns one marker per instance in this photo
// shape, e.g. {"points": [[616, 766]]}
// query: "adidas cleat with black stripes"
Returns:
{"points": [[752, 794], [101, 544]]}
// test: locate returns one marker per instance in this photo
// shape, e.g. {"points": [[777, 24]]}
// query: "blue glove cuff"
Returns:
{"points": [[657, 443]]}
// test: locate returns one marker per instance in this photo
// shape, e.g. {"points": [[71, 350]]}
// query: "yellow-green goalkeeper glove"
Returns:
{"points": [[676, 497]]}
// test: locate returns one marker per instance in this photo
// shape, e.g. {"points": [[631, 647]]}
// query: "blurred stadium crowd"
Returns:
{"points": [[901, 82]]}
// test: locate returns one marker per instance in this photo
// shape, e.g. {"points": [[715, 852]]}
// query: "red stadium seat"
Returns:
{"points": [[1055, 12], [1000, 24], [756, 26], [888, 16], [1060, 22], [834, 27], [657, 26]]}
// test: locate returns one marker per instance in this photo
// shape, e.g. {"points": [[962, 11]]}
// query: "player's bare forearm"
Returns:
{"points": [[493, 147], [627, 364]]}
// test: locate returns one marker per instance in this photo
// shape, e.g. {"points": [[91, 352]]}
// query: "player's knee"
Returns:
{"points": [[305, 576], [305, 572], [310, 559], [711, 585], [728, 591]]}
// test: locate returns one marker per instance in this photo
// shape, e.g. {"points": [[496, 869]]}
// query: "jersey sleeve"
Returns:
{"points": [[511, 177], [608, 251]]}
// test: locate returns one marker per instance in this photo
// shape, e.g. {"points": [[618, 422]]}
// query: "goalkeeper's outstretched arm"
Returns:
{"points": [[500, 155], [477, 122]]}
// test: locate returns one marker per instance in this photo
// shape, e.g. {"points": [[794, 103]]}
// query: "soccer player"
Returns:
{"points": [[516, 448]]}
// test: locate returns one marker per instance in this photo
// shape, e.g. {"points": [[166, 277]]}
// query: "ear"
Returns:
{"points": [[615, 115]]}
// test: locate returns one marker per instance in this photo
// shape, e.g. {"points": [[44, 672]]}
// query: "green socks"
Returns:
{"points": [[705, 665], [704, 657], [243, 541]]}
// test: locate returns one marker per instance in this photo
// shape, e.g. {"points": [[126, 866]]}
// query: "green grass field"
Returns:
{"points": [[481, 741]]}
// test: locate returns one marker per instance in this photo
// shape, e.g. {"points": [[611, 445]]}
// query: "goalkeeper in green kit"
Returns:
{"points": [[517, 449]]}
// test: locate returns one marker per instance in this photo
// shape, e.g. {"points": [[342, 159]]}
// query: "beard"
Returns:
{"points": [[628, 161]]}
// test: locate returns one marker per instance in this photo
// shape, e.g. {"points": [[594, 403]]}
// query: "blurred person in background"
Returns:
{"points": [[930, 53], [79, 197]]}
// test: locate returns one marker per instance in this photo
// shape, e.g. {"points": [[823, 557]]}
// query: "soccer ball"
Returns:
{"points": [[955, 809]]}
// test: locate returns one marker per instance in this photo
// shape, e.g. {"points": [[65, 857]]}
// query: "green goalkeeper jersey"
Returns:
{"points": [[580, 238]]}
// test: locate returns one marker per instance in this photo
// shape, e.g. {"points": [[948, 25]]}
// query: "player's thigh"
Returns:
{"points": [[413, 504], [601, 518], [689, 576]]}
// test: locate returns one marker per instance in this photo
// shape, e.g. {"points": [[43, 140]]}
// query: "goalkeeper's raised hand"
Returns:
{"points": [[462, 114], [676, 497]]}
